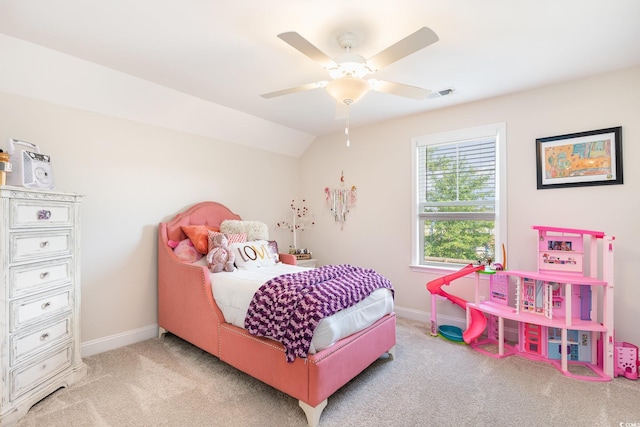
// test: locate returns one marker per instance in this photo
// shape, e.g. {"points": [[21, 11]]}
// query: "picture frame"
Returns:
{"points": [[580, 159]]}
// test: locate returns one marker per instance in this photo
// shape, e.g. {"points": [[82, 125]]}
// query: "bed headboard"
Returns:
{"points": [[205, 213]]}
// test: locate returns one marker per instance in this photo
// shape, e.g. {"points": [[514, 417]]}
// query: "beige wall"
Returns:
{"points": [[378, 230], [136, 175], [133, 177]]}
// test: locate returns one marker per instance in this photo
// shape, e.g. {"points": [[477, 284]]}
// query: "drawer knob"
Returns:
{"points": [[44, 274], [46, 305], [44, 336], [44, 214], [44, 244]]}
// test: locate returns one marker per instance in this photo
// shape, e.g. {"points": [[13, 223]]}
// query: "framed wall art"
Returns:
{"points": [[580, 159]]}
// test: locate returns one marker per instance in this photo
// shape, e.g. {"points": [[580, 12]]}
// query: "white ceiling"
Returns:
{"points": [[228, 53]]}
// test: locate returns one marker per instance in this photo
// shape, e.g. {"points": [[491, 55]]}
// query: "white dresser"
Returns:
{"points": [[40, 297]]}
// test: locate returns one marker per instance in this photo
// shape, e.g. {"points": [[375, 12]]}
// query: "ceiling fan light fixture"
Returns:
{"points": [[350, 65], [348, 90]]}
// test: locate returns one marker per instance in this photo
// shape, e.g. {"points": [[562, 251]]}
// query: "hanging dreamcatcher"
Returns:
{"points": [[340, 200]]}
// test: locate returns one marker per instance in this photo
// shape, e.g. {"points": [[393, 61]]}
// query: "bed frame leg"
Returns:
{"points": [[313, 413], [161, 332], [392, 352]]}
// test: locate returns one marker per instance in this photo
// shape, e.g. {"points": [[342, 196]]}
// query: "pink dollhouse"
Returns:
{"points": [[563, 312]]}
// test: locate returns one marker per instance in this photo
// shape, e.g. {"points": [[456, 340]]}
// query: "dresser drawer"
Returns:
{"points": [[29, 310], [40, 213], [29, 246], [23, 346], [25, 378], [31, 277]]}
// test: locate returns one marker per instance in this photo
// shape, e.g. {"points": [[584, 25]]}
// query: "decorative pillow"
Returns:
{"points": [[273, 248], [255, 230], [252, 254], [199, 236], [232, 238], [185, 251]]}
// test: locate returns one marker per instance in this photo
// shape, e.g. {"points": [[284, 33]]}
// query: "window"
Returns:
{"points": [[459, 191]]}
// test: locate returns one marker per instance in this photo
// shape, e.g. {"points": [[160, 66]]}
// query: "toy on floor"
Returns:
{"points": [[627, 362], [557, 308], [561, 314], [478, 321]]}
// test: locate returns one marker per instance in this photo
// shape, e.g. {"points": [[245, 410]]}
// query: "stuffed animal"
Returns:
{"points": [[220, 257], [184, 250]]}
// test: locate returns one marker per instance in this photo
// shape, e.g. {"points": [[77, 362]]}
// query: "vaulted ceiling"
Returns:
{"points": [[228, 53]]}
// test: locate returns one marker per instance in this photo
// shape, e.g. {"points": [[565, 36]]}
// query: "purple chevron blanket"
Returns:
{"points": [[289, 307]]}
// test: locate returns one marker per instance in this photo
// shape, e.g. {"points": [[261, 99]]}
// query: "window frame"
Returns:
{"points": [[497, 130]]}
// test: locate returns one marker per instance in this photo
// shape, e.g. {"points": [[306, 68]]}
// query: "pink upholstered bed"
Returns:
{"points": [[186, 308]]}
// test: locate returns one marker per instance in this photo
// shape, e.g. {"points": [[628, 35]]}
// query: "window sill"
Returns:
{"points": [[440, 271]]}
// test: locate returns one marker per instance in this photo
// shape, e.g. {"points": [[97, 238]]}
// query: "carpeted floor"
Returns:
{"points": [[431, 382]]}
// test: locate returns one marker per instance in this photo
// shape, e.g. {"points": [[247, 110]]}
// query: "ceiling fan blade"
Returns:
{"points": [[301, 44], [308, 86], [405, 47], [400, 89]]}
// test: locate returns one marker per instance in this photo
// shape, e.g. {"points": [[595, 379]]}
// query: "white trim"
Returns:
{"points": [[511, 334], [112, 342], [499, 130], [413, 314]]}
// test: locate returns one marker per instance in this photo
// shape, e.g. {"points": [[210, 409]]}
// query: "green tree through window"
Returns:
{"points": [[456, 174]]}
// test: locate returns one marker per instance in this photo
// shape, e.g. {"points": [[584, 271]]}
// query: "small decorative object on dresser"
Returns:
{"points": [[40, 322]]}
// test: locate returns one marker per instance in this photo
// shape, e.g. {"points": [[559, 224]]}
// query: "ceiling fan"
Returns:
{"points": [[348, 71]]}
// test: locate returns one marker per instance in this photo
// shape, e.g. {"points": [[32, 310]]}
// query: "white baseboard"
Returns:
{"points": [[510, 334], [89, 348], [410, 313], [425, 317], [112, 342]]}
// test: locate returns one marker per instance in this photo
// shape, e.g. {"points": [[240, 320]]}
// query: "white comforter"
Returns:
{"points": [[233, 293]]}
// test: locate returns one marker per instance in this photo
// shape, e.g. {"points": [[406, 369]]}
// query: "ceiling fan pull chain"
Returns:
{"points": [[346, 129]]}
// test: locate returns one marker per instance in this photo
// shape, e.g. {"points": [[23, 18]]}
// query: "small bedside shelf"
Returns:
{"points": [[311, 263]]}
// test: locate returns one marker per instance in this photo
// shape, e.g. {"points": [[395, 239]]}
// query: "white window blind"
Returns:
{"points": [[458, 180]]}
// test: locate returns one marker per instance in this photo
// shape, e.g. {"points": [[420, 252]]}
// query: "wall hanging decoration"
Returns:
{"points": [[301, 219], [580, 159], [340, 200]]}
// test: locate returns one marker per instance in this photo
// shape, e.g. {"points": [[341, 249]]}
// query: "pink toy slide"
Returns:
{"points": [[478, 321]]}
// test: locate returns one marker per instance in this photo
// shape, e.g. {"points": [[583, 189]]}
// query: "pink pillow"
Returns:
{"points": [[198, 234], [185, 251], [233, 238]]}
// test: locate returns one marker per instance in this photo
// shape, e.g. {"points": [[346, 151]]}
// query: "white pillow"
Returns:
{"points": [[253, 254], [255, 230]]}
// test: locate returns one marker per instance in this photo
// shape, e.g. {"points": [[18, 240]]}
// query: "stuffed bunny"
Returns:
{"points": [[220, 257]]}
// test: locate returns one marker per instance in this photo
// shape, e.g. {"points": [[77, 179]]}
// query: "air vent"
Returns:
{"points": [[440, 93]]}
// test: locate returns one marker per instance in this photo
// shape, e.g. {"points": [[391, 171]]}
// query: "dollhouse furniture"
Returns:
{"points": [[40, 270], [627, 362], [188, 309], [564, 311]]}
